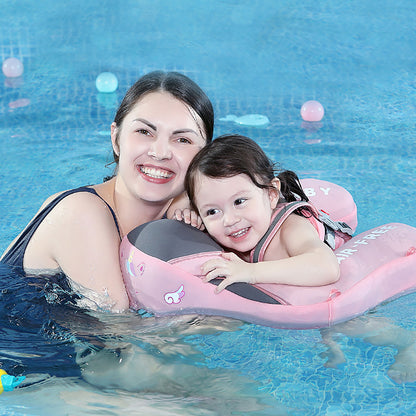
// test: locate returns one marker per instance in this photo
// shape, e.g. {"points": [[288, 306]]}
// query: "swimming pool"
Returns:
{"points": [[251, 57]]}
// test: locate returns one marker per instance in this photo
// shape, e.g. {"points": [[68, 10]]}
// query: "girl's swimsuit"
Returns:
{"points": [[333, 233], [14, 256]]}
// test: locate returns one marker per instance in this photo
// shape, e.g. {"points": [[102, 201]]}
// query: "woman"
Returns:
{"points": [[162, 122]]}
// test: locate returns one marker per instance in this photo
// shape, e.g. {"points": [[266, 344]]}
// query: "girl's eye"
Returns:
{"points": [[211, 211], [240, 201]]}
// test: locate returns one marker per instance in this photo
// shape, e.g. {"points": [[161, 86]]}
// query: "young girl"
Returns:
{"points": [[231, 183]]}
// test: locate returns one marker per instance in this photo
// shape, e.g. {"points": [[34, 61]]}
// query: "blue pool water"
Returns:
{"points": [[357, 58]]}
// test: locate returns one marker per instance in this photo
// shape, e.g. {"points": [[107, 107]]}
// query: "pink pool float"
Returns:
{"points": [[161, 266]]}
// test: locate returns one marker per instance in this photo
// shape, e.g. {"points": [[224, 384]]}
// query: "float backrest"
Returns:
{"points": [[333, 199]]}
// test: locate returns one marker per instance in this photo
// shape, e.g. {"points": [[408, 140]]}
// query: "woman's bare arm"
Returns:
{"points": [[80, 238]]}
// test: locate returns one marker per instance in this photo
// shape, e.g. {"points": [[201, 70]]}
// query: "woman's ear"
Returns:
{"points": [[115, 139], [274, 192]]}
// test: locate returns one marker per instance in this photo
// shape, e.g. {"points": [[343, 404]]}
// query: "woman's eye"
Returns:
{"points": [[143, 131], [184, 140]]}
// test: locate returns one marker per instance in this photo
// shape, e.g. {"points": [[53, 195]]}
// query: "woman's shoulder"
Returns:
{"points": [[80, 218], [83, 205], [73, 192], [84, 201], [75, 219]]}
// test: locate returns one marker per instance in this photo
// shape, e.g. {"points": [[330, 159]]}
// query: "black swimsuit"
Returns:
{"points": [[14, 256]]}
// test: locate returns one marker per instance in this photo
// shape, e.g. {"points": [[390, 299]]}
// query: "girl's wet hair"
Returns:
{"points": [[178, 85], [232, 155]]}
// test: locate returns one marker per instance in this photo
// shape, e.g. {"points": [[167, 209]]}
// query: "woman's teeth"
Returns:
{"points": [[156, 173]]}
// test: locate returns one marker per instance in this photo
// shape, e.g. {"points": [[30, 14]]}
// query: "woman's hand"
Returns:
{"points": [[180, 209], [188, 216], [231, 268]]}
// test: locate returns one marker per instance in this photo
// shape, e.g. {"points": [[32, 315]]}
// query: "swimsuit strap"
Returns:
{"points": [[93, 191], [15, 254], [61, 196], [331, 228], [277, 221]]}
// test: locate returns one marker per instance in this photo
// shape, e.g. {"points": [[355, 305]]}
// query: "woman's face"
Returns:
{"points": [[155, 143]]}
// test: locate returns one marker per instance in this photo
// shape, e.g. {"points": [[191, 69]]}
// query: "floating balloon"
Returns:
{"points": [[312, 111], [12, 67], [106, 82]]}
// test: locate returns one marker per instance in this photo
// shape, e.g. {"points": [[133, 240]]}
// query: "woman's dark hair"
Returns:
{"points": [[231, 155], [180, 86]]}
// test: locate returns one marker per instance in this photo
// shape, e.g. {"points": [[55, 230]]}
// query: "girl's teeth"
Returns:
{"points": [[240, 233]]}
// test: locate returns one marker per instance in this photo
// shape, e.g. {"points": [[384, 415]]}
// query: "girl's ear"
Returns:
{"points": [[274, 192], [114, 139]]}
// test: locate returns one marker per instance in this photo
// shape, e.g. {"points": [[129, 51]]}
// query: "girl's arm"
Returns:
{"points": [[295, 256]]}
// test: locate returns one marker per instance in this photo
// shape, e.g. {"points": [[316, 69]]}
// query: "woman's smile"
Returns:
{"points": [[156, 174]]}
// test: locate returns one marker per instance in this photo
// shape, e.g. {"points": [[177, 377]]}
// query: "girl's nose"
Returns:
{"points": [[160, 149], [230, 218]]}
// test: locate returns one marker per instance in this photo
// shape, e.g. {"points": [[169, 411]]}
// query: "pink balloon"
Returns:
{"points": [[312, 111], [12, 68]]}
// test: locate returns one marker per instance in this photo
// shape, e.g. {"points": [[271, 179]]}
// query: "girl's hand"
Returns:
{"points": [[188, 216], [229, 266]]}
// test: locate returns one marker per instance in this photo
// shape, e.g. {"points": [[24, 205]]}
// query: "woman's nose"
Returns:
{"points": [[160, 149]]}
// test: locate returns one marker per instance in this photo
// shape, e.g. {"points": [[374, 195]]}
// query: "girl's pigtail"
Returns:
{"points": [[290, 186], [291, 189]]}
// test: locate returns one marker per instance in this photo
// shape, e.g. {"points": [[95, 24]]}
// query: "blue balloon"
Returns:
{"points": [[106, 82]]}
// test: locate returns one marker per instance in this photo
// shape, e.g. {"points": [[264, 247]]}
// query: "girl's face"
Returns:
{"points": [[235, 211], [155, 143]]}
